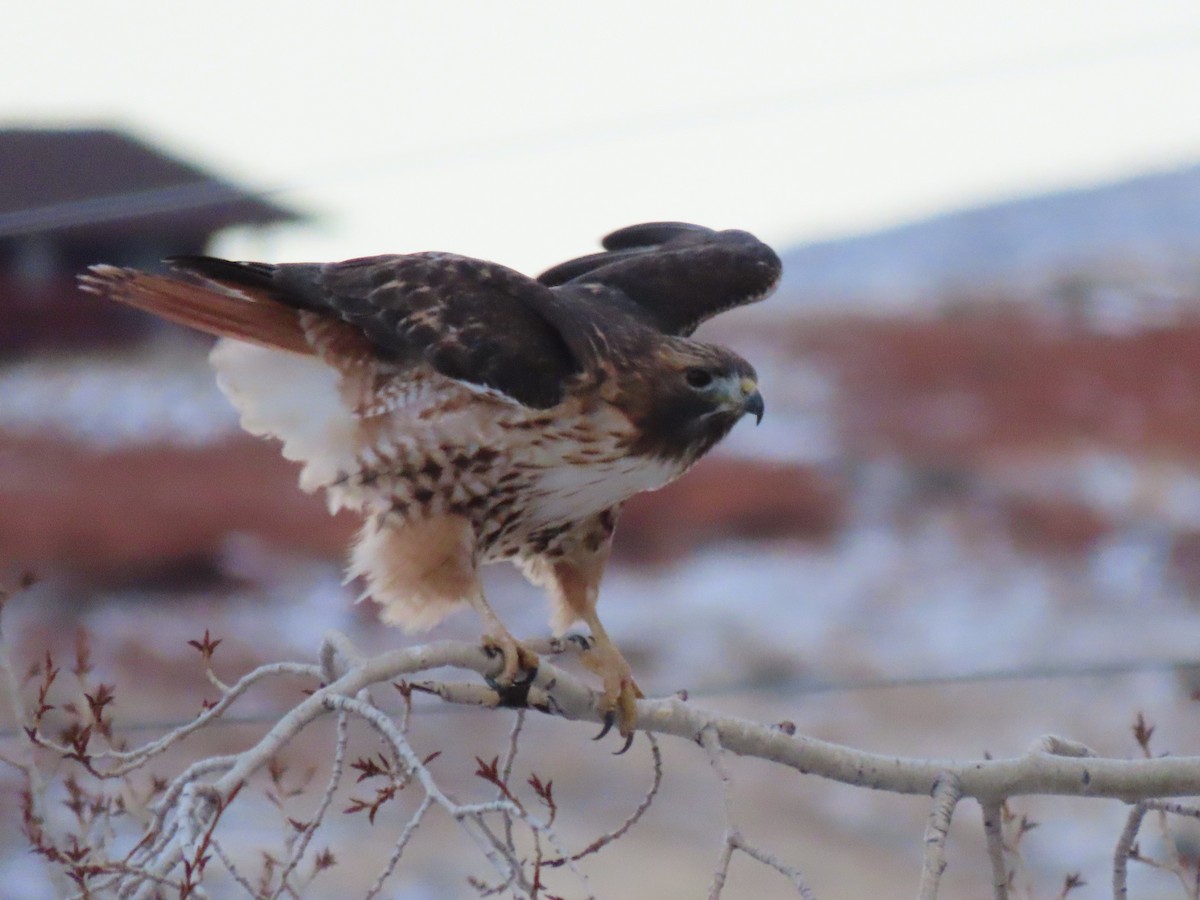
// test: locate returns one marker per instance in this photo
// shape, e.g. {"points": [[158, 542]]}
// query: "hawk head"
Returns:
{"points": [[688, 398]]}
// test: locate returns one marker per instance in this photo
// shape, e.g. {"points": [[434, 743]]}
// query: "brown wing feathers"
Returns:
{"points": [[676, 274], [249, 316], [471, 320]]}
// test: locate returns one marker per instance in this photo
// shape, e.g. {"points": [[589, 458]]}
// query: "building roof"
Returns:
{"points": [[104, 183]]}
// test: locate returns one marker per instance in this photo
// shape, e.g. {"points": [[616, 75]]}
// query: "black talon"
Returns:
{"points": [[584, 642], [610, 719], [628, 744]]}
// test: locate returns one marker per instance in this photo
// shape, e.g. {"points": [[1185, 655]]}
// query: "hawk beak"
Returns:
{"points": [[752, 401]]}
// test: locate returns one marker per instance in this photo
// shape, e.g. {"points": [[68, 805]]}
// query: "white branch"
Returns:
{"points": [[733, 834], [993, 816], [1124, 848], [557, 692], [946, 794], [183, 817]]}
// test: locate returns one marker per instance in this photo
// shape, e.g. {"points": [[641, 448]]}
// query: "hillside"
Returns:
{"points": [[1146, 227]]}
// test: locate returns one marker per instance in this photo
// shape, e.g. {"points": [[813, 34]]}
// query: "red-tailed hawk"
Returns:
{"points": [[472, 414]]}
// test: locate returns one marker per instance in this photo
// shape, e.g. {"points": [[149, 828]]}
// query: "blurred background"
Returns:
{"points": [[970, 516]]}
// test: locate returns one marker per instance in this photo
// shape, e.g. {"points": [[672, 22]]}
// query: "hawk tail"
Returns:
{"points": [[246, 314]]}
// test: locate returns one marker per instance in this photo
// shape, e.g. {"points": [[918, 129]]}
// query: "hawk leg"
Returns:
{"points": [[574, 584], [620, 695], [496, 638]]}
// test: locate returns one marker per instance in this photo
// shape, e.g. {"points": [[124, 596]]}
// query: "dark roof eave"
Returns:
{"points": [[201, 206], [53, 181]]}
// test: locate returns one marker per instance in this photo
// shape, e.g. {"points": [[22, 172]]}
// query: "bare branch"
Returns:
{"points": [[733, 835], [1125, 845], [510, 757], [992, 829], [559, 693], [518, 843], [398, 848], [946, 794], [331, 786], [606, 839]]}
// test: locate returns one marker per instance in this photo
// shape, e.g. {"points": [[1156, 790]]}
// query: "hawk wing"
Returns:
{"points": [[471, 320], [475, 321], [676, 274]]}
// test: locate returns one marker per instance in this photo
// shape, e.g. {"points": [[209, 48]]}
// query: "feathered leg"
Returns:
{"points": [[574, 584], [621, 692], [420, 570]]}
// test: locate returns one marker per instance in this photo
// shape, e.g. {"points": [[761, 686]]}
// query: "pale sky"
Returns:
{"points": [[521, 131]]}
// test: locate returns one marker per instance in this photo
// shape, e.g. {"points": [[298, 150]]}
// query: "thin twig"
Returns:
{"points": [[790, 872], [711, 742], [465, 813], [398, 847], [184, 814], [331, 786], [993, 830], [619, 832], [128, 761], [510, 757], [229, 865], [946, 794], [1124, 849]]}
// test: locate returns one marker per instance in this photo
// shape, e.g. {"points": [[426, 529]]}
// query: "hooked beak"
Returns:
{"points": [[752, 401]]}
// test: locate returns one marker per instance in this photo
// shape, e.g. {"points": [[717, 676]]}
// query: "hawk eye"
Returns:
{"points": [[698, 378]]}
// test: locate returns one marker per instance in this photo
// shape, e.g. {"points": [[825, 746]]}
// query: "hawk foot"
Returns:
{"points": [[520, 663], [620, 695]]}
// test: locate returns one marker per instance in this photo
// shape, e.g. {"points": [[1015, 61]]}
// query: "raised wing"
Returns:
{"points": [[475, 321], [676, 274]]}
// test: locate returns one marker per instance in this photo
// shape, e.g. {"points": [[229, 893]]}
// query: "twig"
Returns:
{"points": [[606, 839], [233, 871], [1125, 844], [510, 757], [34, 782], [467, 814], [128, 761], [331, 786], [946, 794], [712, 746], [710, 741], [410, 829], [992, 829], [183, 816]]}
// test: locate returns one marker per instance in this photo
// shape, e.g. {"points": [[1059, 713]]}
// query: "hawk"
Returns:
{"points": [[472, 414]]}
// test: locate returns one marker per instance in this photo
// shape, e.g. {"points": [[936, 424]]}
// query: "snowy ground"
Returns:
{"points": [[165, 393]]}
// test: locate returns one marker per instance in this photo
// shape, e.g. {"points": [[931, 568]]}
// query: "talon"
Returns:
{"points": [[516, 676], [628, 744], [517, 658], [610, 719], [582, 640], [619, 698]]}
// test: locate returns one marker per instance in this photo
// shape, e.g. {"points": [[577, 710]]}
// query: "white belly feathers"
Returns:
{"points": [[366, 463]]}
